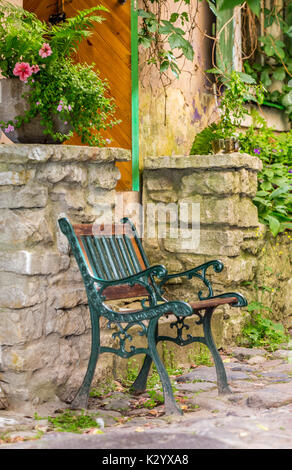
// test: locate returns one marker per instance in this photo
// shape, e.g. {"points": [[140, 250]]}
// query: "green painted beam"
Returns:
{"points": [[225, 46], [135, 96]]}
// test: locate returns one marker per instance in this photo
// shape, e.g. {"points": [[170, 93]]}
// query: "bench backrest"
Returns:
{"points": [[112, 253]]}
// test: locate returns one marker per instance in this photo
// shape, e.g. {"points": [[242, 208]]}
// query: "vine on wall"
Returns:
{"points": [[166, 36]]}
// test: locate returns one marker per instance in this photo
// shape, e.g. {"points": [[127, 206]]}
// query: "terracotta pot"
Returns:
{"points": [[12, 104]]}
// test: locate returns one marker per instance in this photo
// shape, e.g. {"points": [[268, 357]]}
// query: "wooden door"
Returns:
{"points": [[109, 47]]}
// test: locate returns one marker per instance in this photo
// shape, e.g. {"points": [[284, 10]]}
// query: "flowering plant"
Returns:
{"points": [[41, 56]]}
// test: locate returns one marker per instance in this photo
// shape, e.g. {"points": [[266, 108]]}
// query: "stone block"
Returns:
{"points": [[21, 326], [159, 181], [70, 321], [220, 182], [211, 242], [26, 197], [57, 172], [42, 153], [66, 297], [20, 291], [232, 211], [25, 228], [32, 263], [68, 198], [15, 175], [163, 196], [204, 162], [103, 175], [236, 270], [101, 199]]}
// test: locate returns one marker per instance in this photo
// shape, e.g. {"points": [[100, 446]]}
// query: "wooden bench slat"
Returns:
{"points": [[125, 292], [200, 305]]}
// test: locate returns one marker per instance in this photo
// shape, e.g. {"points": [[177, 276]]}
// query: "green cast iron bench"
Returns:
{"points": [[114, 266]]}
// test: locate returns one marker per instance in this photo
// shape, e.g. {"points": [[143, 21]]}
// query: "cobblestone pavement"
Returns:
{"points": [[257, 415]]}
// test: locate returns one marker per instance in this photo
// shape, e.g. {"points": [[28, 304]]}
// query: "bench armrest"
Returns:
{"points": [[158, 270], [200, 273]]}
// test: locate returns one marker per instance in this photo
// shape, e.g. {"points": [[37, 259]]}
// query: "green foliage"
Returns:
{"points": [[73, 92], [275, 52], [259, 330], [156, 399], [202, 144], [163, 35], [201, 356], [273, 198], [261, 140], [68, 421], [239, 88], [255, 5], [263, 332], [103, 389]]}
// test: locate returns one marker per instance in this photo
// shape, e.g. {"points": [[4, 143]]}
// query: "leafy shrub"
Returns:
{"points": [[262, 332]]}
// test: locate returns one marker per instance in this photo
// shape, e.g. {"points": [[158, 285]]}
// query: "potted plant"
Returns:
{"points": [[44, 90], [222, 136]]}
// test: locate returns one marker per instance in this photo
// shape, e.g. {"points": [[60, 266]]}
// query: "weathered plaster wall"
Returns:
{"points": [[168, 124], [44, 319], [255, 263]]}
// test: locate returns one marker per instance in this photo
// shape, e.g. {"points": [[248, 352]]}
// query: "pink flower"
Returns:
{"points": [[35, 68], [22, 70], [59, 108], [69, 107], [38, 103], [45, 50], [9, 129]]}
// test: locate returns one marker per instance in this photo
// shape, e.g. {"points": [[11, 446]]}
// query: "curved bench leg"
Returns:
{"points": [[140, 384], [170, 405], [223, 387], [81, 398]]}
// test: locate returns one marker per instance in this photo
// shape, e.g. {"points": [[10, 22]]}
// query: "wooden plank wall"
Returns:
{"points": [[109, 47]]}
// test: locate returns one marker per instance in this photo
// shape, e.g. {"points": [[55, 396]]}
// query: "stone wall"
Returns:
{"points": [[44, 320], [256, 264]]}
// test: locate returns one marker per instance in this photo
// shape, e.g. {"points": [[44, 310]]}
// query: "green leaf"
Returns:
{"points": [[229, 4], [277, 192], [215, 71], [287, 99], [175, 41], [266, 186], [246, 78], [279, 74], [269, 50], [262, 193], [265, 78], [164, 66], [188, 52], [274, 224], [255, 6], [144, 42], [173, 17]]}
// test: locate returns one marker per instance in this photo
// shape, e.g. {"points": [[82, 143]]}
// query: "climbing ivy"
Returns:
{"points": [[272, 60], [166, 34]]}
